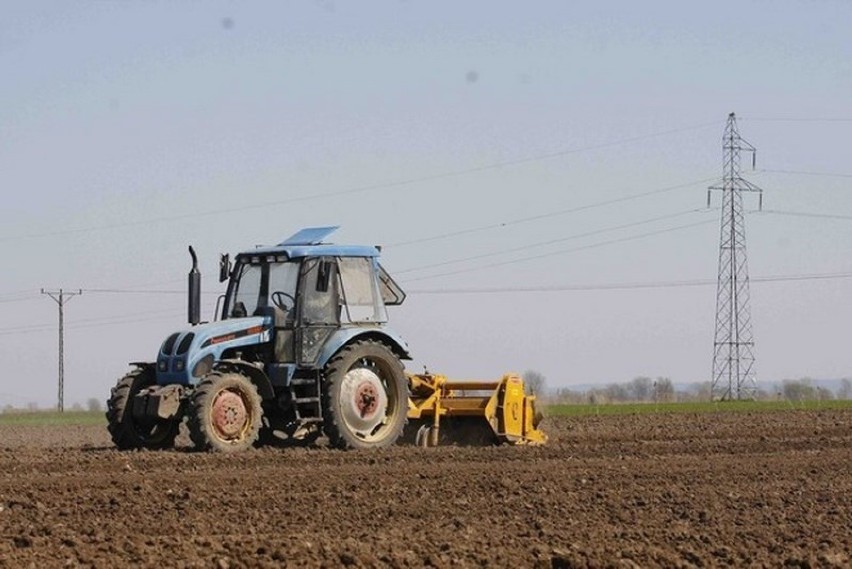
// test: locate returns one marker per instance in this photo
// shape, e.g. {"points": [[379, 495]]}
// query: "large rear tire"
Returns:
{"points": [[225, 414], [128, 432], [365, 397]]}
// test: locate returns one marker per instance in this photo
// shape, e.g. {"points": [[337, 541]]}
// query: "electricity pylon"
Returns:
{"points": [[61, 297], [733, 345]]}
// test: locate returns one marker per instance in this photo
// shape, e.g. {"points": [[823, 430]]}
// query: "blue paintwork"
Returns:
{"points": [[345, 335], [202, 333], [307, 242], [309, 236], [323, 250]]}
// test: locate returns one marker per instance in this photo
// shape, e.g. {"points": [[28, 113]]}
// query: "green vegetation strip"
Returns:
{"points": [[691, 407], [52, 418]]}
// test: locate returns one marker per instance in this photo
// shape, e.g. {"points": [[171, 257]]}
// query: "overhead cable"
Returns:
{"points": [[797, 119], [806, 214], [563, 251], [808, 173], [624, 286], [541, 216], [366, 188], [552, 241]]}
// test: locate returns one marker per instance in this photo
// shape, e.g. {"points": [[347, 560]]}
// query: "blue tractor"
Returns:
{"points": [[300, 348]]}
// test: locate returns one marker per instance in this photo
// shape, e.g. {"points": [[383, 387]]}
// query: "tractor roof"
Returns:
{"points": [[308, 242]]}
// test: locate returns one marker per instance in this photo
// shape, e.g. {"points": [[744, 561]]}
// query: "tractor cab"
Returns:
{"points": [[307, 291]]}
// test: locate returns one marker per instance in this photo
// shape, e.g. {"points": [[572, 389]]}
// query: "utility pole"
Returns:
{"points": [[733, 345], [61, 297]]}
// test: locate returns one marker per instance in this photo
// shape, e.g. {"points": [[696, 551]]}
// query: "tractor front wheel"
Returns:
{"points": [[365, 397], [225, 414], [128, 432]]}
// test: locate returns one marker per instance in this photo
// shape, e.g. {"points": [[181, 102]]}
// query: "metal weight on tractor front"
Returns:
{"points": [[300, 346], [130, 427]]}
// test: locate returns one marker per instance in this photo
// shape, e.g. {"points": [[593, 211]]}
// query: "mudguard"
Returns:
{"points": [[257, 376], [346, 336]]}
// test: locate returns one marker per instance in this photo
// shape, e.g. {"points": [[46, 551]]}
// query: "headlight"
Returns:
{"points": [[203, 366]]}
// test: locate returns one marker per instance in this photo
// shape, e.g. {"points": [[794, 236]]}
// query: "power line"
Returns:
{"points": [[121, 291], [77, 321], [485, 255], [140, 291], [551, 241], [35, 330], [91, 322], [94, 322], [21, 299], [19, 296], [122, 316], [18, 292], [175, 314], [563, 251], [108, 291], [26, 329], [797, 119], [370, 187], [808, 173], [550, 214], [806, 214], [625, 286]]}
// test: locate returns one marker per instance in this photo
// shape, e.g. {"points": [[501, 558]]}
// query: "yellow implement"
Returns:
{"points": [[457, 411]]}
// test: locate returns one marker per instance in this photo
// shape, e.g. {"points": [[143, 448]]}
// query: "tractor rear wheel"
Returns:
{"points": [[225, 413], [128, 432], [365, 397]]}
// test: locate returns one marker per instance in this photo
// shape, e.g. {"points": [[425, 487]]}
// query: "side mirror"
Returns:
{"points": [[224, 267]]}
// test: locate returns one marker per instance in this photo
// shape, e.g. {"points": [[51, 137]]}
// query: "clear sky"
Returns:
{"points": [[467, 138]]}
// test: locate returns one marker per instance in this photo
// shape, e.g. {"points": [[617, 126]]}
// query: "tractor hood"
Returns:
{"points": [[188, 355]]}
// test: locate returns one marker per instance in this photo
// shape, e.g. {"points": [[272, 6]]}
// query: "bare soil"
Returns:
{"points": [[704, 490]]}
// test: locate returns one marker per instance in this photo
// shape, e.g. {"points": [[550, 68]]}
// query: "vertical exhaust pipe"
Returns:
{"points": [[194, 305]]}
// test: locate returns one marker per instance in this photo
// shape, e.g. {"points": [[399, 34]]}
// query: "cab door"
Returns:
{"points": [[319, 307]]}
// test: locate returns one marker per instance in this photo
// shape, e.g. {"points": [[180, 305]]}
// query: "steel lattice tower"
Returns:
{"points": [[733, 345]]}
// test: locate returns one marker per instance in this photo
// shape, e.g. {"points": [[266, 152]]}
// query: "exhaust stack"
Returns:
{"points": [[194, 305]]}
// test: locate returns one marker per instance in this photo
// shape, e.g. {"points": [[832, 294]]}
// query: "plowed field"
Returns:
{"points": [[714, 489]]}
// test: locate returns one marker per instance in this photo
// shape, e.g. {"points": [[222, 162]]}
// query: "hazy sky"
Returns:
{"points": [[444, 131]]}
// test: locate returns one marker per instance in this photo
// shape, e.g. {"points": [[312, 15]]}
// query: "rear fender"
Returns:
{"points": [[347, 336]]}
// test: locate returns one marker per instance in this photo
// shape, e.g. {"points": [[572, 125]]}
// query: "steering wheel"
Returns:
{"points": [[278, 298]]}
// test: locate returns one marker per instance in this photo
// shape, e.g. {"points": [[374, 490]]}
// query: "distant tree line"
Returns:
{"points": [[640, 389], [93, 405], [662, 390], [804, 390]]}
